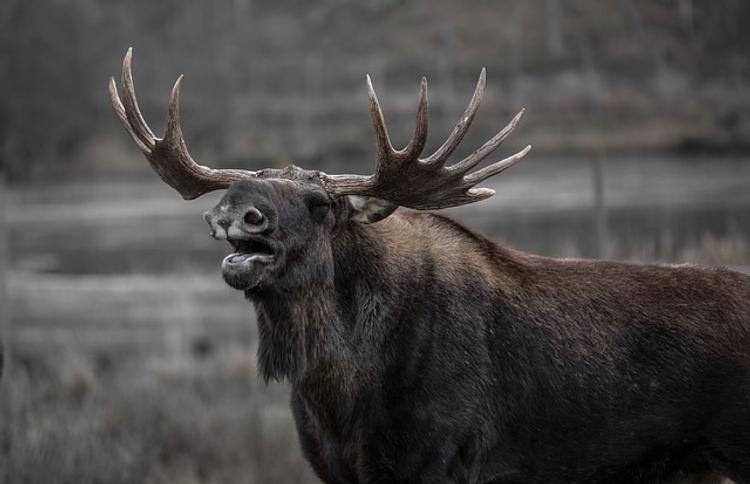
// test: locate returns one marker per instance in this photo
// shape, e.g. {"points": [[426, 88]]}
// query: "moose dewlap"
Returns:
{"points": [[419, 351]]}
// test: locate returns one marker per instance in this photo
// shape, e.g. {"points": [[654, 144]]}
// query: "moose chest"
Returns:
{"points": [[330, 430], [391, 428]]}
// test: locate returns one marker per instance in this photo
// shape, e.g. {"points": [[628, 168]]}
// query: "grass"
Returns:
{"points": [[204, 422]]}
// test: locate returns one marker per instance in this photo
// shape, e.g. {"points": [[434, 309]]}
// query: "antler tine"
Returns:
{"points": [[168, 156], [487, 148], [174, 145], [418, 140], [122, 116], [135, 118], [383, 141], [174, 127], [495, 168], [458, 133]]}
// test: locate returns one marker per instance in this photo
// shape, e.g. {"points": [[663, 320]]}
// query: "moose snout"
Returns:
{"points": [[235, 223]]}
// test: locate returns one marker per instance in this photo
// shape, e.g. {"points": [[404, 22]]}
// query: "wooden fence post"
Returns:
{"points": [[600, 207], [5, 318]]}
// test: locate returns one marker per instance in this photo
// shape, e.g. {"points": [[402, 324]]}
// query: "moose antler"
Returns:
{"points": [[401, 176], [405, 179], [168, 156]]}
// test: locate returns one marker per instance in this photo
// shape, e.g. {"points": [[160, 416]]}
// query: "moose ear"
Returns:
{"points": [[368, 210]]}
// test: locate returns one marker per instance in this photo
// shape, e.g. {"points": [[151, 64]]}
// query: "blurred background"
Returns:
{"points": [[127, 358]]}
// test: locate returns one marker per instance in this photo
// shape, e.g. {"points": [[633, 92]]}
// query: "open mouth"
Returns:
{"points": [[250, 251]]}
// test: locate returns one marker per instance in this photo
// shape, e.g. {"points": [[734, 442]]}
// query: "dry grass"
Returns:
{"points": [[207, 422]]}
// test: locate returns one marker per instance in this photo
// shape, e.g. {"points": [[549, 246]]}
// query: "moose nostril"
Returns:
{"points": [[253, 216]]}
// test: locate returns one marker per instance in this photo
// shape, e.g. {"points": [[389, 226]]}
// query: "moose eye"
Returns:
{"points": [[318, 206]]}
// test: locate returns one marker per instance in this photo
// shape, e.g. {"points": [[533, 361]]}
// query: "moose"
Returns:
{"points": [[419, 351]]}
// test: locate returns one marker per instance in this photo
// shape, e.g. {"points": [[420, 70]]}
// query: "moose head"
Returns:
{"points": [[280, 222]]}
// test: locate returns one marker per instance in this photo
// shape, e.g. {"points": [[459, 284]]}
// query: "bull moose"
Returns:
{"points": [[419, 351]]}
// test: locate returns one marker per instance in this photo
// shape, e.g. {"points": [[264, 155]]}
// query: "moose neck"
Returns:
{"points": [[328, 335], [299, 333], [317, 333]]}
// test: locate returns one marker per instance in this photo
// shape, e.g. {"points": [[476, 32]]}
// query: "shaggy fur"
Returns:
{"points": [[421, 352]]}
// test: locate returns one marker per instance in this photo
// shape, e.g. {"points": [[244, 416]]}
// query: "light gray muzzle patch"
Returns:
{"points": [[228, 223]]}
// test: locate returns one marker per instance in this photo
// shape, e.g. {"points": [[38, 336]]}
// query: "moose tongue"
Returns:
{"points": [[238, 258]]}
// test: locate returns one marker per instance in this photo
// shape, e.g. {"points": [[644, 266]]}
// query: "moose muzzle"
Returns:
{"points": [[235, 223]]}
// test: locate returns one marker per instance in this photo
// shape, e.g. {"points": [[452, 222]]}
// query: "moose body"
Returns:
{"points": [[419, 351], [433, 355]]}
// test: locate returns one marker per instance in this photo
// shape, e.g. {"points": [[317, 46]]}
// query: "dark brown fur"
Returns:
{"points": [[420, 351]]}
